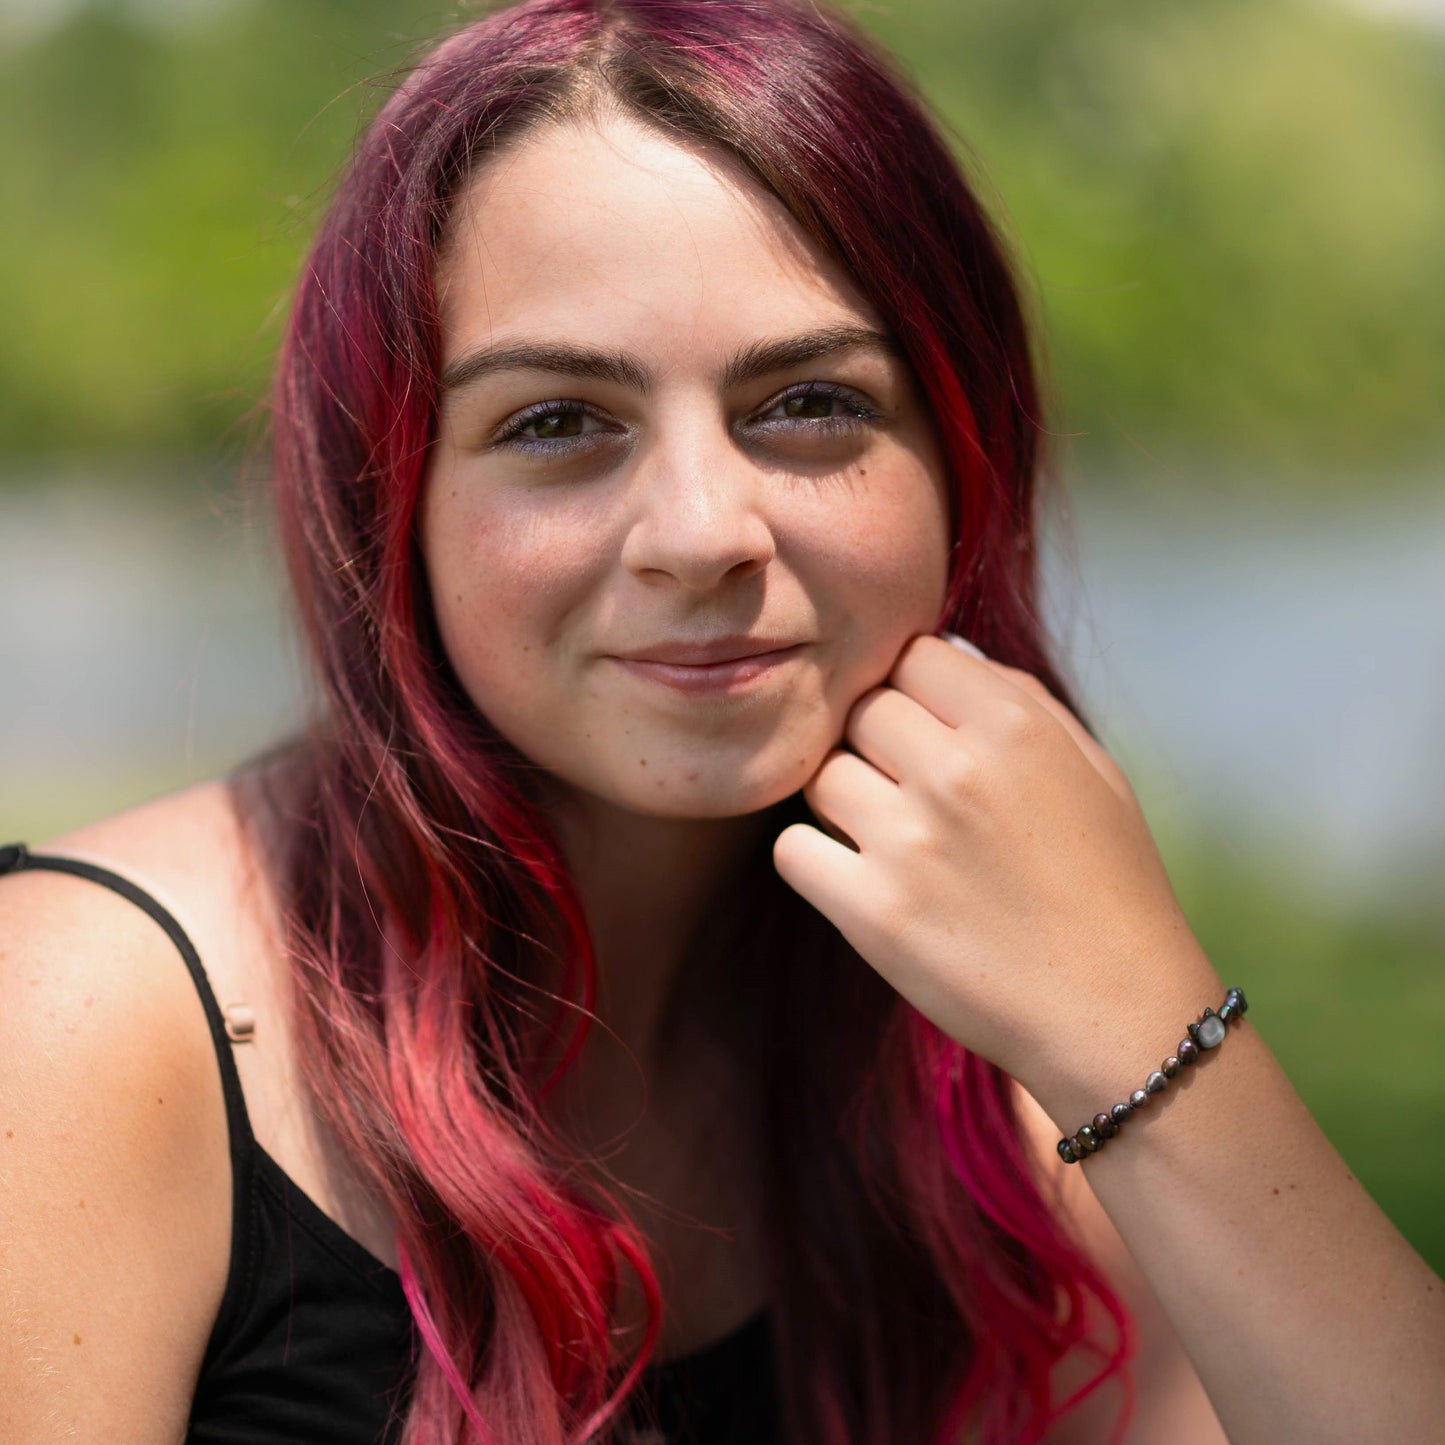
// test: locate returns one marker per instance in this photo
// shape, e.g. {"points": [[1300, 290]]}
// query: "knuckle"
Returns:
{"points": [[1032, 684], [1029, 682], [1018, 722], [1022, 674], [888, 906], [957, 774], [913, 836]]}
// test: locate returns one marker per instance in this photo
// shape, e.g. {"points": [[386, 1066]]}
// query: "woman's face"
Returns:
{"points": [[685, 506]]}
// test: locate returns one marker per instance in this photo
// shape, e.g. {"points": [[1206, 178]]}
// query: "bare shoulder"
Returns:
{"points": [[90, 980], [115, 1178], [192, 852], [1170, 1402]]}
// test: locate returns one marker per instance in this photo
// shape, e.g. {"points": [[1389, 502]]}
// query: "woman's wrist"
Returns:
{"points": [[1201, 1038], [1110, 1053]]}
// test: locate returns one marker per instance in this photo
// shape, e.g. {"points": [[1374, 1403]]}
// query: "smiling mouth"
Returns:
{"points": [[732, 648], [721, 675]]}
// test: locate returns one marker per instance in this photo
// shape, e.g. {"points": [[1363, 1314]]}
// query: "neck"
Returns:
{"points": [[647, 886], [654, 1100]]}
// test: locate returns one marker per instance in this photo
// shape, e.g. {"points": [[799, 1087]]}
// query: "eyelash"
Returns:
{"points": [[858, 413]]}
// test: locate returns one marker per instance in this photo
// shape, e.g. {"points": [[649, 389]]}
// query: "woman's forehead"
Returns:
{"points": [[611, 231]]}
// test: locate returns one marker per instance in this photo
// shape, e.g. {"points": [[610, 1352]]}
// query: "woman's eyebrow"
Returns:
{"points": [[760, 358]]}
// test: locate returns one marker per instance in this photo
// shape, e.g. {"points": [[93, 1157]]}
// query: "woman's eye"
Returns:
{"points": [[548, 426], [822, 407]]}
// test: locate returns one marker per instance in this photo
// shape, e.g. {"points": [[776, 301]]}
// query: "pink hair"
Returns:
{"points": [[920, 1283]]}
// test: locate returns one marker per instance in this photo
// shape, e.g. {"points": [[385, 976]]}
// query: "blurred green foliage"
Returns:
{"points": [[1231, 212], [1351, 1001]]}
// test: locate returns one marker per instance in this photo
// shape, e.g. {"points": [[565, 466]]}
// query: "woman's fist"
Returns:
{"points": [[1004, 878]]}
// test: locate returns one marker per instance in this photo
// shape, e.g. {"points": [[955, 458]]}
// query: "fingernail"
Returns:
{"points": [[963, 645]]}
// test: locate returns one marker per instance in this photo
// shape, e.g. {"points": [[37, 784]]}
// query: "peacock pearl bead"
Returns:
{"points": [[1122, 1114], [1138, 1098], [1156, 1083], [1211, 1032], [1236, 997], [1170, 1066], [1088, 1136], [1226, 1011], [1066, 1151], [1188, 1051], [1104, 1126]]}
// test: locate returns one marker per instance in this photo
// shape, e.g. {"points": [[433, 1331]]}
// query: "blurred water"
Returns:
{"points": [[1278, 668], [1275, 669], [144, 643]]}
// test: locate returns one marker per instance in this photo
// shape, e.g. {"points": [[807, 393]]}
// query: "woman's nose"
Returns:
{"points": [[697, 517]]}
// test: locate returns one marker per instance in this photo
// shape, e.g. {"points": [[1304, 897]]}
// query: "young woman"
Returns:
{"points": [[650, 996]]}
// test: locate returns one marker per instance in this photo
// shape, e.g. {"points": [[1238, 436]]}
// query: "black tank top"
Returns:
{"points": [[313, 1343]]}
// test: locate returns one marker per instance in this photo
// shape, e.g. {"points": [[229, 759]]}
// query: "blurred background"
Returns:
{"points": [[1231, 214]]}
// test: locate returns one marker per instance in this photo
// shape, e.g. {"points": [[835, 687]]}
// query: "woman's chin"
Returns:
{"points": [[701, 789]]}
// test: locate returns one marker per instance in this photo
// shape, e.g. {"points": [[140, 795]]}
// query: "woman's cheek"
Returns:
{"points": [[883, 571], [507, 583]]}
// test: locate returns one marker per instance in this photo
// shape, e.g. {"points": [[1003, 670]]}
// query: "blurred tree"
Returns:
{"points": [[1231, 211]]}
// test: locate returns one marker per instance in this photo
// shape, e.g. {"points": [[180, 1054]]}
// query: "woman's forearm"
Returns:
{"points": [[1005, 882], [1306, 1315]]}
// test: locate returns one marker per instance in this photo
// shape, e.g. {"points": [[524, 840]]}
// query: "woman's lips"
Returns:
{"points": [[728, 675]]}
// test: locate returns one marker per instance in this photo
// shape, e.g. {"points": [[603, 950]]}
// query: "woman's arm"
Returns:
{"points": [[1303, 1311], [114, 1171], [1005, 882], [1170, 1403]]}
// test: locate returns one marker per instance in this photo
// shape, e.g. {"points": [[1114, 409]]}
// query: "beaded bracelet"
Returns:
{"points": [[1208, 1033]]}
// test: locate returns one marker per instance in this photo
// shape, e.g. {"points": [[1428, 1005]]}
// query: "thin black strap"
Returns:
{"points": [[15, 858]]}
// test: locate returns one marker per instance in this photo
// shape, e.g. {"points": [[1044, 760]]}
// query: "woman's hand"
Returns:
{"points": [[1006, 884], [1005, 881]]}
